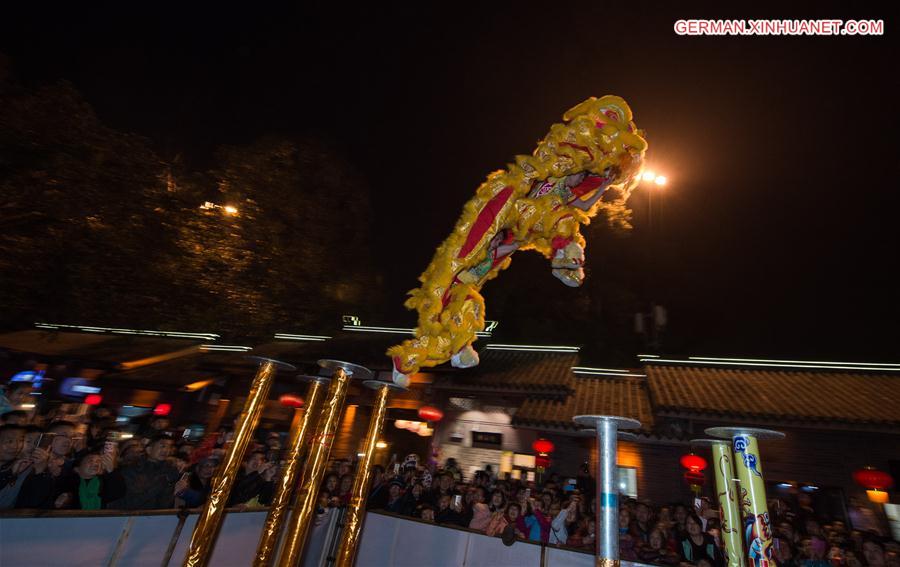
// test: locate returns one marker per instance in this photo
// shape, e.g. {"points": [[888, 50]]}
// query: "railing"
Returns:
{"points": [[152, 538], [159, 538], [401, 541]]}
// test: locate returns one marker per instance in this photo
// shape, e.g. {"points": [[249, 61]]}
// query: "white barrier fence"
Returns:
{"points": [[136, 541], [145, 540]]}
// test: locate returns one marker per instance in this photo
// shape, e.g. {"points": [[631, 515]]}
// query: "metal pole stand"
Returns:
{"points": [[299, 439], [206, 531], [317, 459], [353, 521], [753, 489], [607, 510], [728, 503]]}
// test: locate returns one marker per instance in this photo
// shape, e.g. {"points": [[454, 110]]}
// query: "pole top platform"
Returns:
{"points": [[376, 384], [308, 378], [594, 420], [620, 435], [278, 364], [353, 370], [710, 442], [732, 432]]}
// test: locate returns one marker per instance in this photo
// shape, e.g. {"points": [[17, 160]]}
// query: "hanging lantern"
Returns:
{"points": [[695, 479], [291, 400], [693, 463], [162, 409], [402, 424], [93, 399], [429, 413], [872, 478], [543, 446], [878, 496]]}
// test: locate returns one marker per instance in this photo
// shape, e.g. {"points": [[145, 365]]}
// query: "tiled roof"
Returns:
{"points": [[625, 397], [97, 347], [803, 395], [542, 373]]}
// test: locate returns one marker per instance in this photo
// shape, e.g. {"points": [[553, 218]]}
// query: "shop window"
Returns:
{"points": [[628, 481]]}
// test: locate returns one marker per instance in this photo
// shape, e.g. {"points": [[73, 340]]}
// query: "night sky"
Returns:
{"points": [[777, 233]]}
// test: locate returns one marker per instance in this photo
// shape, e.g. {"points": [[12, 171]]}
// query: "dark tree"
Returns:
{"points": [[98, 229]]}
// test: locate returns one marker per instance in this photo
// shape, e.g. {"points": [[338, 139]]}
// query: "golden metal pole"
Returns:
{"points": [[300, 434], [353, 521], [317, 460], [203, 539]]}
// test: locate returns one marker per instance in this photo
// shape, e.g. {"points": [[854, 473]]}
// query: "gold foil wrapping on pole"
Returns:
{"points": [[313, 471], [300, 434], [203, 539], [353, 521]]}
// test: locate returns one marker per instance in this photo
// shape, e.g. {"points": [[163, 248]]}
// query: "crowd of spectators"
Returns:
{"points": [[559, 512], [88, 462]]}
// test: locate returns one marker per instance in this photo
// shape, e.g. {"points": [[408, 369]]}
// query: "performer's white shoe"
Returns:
{"points": [[400, 378], [467, 357]]}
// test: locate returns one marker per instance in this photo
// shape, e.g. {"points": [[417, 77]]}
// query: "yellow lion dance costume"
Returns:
{"points": [[538, 203]]}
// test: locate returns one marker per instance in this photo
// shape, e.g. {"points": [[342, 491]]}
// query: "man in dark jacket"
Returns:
{"points": [[199, 483], [255, 481], [150, 482], [92, 485]]}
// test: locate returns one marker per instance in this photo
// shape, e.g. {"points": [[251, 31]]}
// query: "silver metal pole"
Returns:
{"points": [[607, 500], [607, 490]]}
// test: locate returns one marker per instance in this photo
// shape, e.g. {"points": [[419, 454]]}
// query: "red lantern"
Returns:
{"points": [[93, 399], [869, 477], [543, 446], [429, 413], [693, 463], [694, 478], [162, 409], [291, 400]]}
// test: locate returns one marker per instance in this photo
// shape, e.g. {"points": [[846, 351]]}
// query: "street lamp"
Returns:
{"points": [[657, 312], [227, 209], [659, 180]]}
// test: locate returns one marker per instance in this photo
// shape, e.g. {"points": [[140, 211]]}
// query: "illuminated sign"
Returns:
{"points": [[481, 438]]}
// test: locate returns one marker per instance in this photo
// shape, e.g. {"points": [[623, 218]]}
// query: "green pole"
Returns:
{"points": [[729, 513], [748, 466]]}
